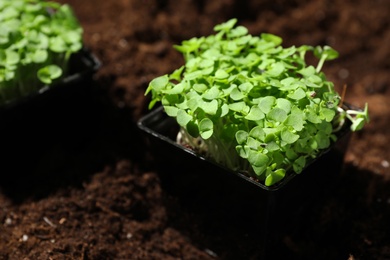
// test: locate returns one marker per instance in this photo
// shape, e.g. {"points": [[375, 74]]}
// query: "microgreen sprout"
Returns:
{"points": [[36, 40], [357, 117], [255, 106]]}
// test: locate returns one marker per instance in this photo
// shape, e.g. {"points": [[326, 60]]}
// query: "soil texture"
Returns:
{"points": [[87, 186]]}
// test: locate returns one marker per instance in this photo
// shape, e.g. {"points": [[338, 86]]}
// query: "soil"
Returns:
{"points": [[97, 193]]}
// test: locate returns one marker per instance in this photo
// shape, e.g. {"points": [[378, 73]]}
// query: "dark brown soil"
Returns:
{"points": [[99, 196]]}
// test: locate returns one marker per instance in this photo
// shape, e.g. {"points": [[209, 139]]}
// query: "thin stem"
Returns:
{"points": [[321, 63], [354, 112]]}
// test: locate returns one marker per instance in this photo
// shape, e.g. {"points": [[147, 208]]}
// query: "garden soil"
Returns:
{"points": [[97, 193]]}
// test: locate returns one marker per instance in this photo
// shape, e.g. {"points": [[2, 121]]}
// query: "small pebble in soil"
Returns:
{"points": [[49, 222], [129, 235], [8, 222], [385, 164], [211, 253], [24, 238], [122, 43]]}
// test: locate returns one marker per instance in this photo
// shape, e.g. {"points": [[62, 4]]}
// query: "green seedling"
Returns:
{"points": [[255, 106], [37, 39]]}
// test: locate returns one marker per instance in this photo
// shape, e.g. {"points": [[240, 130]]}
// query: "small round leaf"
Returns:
{"points": [[206, 128]]}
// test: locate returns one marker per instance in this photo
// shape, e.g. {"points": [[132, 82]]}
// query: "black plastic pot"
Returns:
{"points": [[59, 115], [231, 199]]}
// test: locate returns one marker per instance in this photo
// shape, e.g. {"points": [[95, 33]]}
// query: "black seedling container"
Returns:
{"points": [[231, 200], [59, 115]]}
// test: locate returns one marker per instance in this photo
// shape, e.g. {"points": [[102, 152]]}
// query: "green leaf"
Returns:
{"points": [[241, 136], [176, 74], [326, 127], [224, 110], [257, 159], [357, 124], [277, 114], [322, 140], [183, 118], [272, 146], [243, 151], [315, 79], [211, 93], [288, 83], [295, 120], [238, 31], [254, 144], [236, 94], [206, 128], [278, 159], [276, 40], [221, 74], [226, 26], [40, 56], [12, 57], [330, 53], [9, 13], [200, 88], [312, 143], [307, 72], [255, 114], [365, 113], [299, 164], [313, 117], [243, 40], [193, 75], [210, 108], [193, 128], [171, 110], [266, 103], [239, 107], [276, 69], [49, 73], [299, 93], [289, 137], [176, 89], [169, 100], [258, 162], [275, 177], [258, 133], [284, 104], [226, 91], [245, 87], [291, 154], [57, 44], [328, 114], [158, 84], [193, 103], [206, 63], [207, 71]]}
